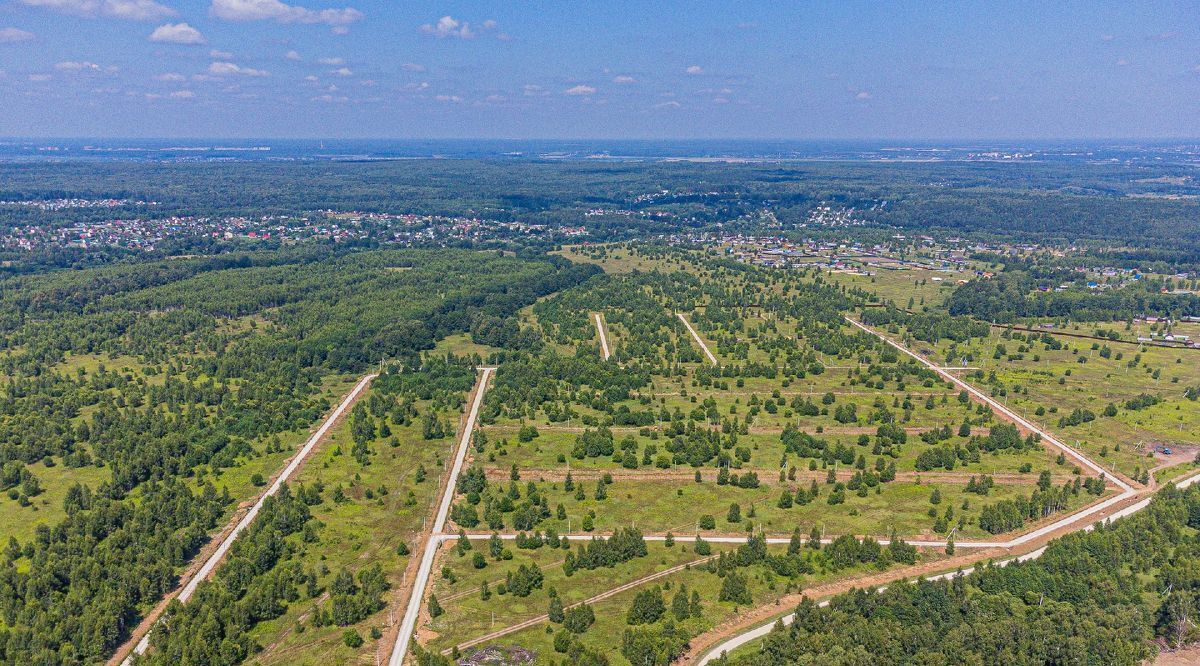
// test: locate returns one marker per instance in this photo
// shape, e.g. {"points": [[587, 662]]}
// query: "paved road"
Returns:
{"points": [[219, 554], [409, 624], [603, 336], [696, 336]]}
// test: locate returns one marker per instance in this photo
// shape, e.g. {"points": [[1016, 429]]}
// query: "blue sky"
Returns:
{"points": [[609, 69]]}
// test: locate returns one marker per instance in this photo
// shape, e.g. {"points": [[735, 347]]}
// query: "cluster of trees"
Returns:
{"points": [[625, 544], [927, 326], [1012, 294], [1011, 514]]}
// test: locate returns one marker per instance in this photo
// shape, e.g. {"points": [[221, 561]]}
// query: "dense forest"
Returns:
{"points": [[230, 353]]}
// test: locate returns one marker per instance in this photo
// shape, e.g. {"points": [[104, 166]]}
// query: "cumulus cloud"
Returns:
{"points": [[695, 69], [449, 98], [37, 78], [14, 35], [229, 68], [332, 61], [412, 67], [342, 71], [580, 90], [177, 33], [274, 10], [182, 94], [292, 55], [862, 96], [531, 90], [220, 55], [311, 78], [170, 76], [622, 79], [132, 10], [448, 26]]}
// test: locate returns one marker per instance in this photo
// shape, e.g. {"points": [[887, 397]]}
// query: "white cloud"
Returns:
{"points": [[531, 90], [342, 71], [494, 99], [311, 78], [39, 77], [667, 105], [623, 79], [695, 69], [1107, 38], [170, 76], [220, 55], [182, 94], [448, 26], [227, 68], [332, 61], [81, 66], [412, 67], [330, 98], [340, 30], [720, 100], [580, 90], [1122, 62], [448, 98], [14, 35], [862, 96], [133, 10], [177, 33], [292, 55], [274, 10]]}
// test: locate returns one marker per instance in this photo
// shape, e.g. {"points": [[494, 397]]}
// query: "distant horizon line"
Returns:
{"points": [[6, 138]]}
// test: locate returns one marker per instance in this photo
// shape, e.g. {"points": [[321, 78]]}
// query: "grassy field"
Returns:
{"points": [[1047, 385], [610, 613], [363, 530]]}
